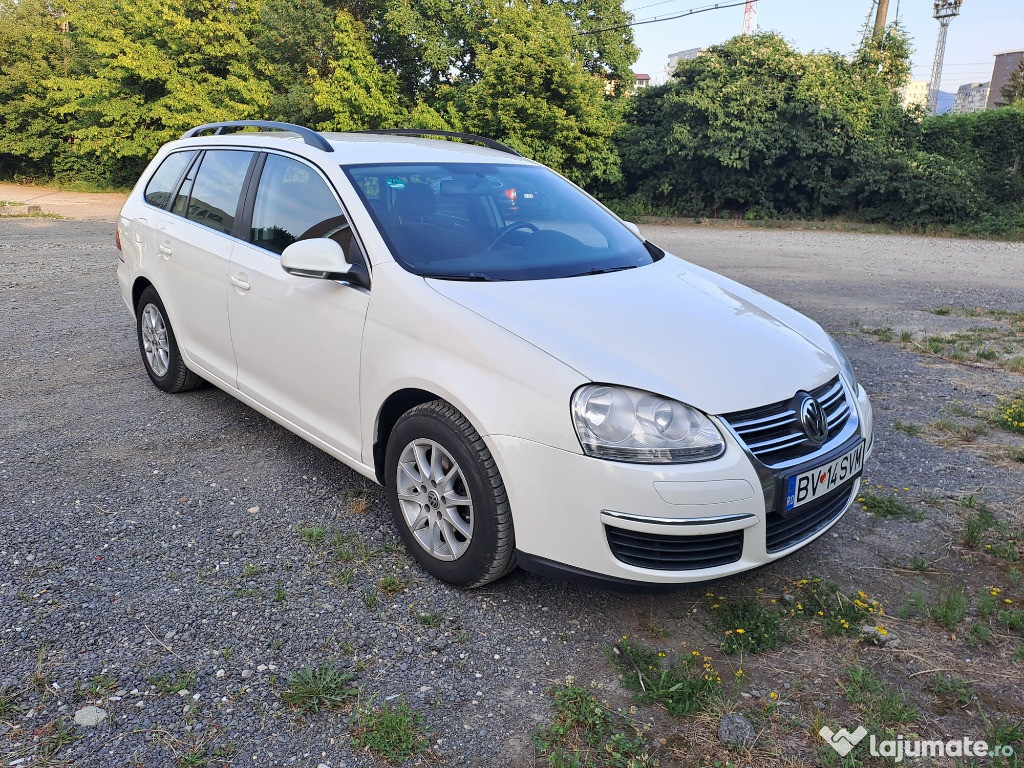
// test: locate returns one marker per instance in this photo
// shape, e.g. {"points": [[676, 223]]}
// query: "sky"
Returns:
{"points": [[983, 28]]}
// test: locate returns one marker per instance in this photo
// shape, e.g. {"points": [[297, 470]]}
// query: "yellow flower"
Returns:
{"points": [[799, 606], [695, 653], [821, 613], [1007, 600], [995, 590], [773, 695], [739, 672], [740, 631], [882, 631]]}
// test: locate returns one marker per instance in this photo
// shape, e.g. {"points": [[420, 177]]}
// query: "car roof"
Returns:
{"points": [[363, 148]]}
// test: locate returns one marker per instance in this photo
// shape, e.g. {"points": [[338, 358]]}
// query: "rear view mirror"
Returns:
{"points": [[321, 258]]}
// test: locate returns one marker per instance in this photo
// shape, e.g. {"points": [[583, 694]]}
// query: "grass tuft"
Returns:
{"points": [[585, 733], [952, 687], [312, 689], [883, 706], [911, 429], [10, 700], [949, 607], [172, 682], [683, 687], [391, 584], [888, 507], [747, 626], [393, 730]]}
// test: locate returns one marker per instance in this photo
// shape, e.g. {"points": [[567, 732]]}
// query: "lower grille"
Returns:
{"points": [[675, 553], [783, 532]]}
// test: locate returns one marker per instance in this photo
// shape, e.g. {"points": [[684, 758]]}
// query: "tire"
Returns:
{"points": [[159, 348], [479, 549]]}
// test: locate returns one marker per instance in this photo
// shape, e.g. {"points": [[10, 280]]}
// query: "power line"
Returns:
{"points": [[649, 5], [655, 19]]}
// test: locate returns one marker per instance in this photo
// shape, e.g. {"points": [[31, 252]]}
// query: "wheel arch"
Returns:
{"points": [[393, 408], [140, 284]]}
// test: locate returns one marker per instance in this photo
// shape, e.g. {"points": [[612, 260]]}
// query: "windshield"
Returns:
{"points": [[462, 221]]}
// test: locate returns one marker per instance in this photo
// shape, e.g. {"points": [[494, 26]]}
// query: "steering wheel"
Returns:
{"points": [[513, 227]]}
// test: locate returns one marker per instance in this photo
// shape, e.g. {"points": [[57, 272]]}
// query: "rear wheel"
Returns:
{"points": [[159, 348], [447, 497]]}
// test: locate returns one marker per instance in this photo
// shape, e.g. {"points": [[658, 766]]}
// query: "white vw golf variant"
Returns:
{"points": [[531, 381]]}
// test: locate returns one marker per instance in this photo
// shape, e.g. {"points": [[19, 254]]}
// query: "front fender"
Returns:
{"points": [[416, 338]]}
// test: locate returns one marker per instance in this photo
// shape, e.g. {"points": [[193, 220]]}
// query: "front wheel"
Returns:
{"points": [[447, 497]]}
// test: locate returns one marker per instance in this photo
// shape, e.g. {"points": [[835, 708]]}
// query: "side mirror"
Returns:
{"points": [[321, 258], [633, 228]]}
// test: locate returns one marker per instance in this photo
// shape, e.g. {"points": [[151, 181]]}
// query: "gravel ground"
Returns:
{"points": [[148, 535]]}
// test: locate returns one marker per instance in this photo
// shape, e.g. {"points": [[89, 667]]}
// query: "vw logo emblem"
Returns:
{"points": [[814, 420]]}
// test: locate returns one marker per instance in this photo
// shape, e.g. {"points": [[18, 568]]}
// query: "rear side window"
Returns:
{"points": [[293, 203], [210, 193], [160, 187]]}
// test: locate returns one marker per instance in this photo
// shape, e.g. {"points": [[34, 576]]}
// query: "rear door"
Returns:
{"points": [[297, 340], [194, 241]]}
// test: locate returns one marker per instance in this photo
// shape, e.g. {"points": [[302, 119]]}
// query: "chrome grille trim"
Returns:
{"points": [[773, 433]]}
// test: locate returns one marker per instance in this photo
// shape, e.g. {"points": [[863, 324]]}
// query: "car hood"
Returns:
{"points": [[670, 327]]}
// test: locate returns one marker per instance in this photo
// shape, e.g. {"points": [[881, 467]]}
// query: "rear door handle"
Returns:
{"points": [[240, 283], [165, 250]]}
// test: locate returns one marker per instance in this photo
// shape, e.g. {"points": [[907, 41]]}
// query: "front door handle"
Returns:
{"points": [[165, 250], [240, 283]]}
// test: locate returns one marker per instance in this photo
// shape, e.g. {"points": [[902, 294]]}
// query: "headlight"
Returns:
{"points": [[845, 365], [626, 424]]}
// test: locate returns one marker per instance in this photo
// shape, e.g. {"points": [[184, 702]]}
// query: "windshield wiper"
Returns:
{"points": [[475, 277], [601, 270]]}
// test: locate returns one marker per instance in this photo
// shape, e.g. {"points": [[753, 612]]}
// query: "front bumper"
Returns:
{"points": [[630, 524]]}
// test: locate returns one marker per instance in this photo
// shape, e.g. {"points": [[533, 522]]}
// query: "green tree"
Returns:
{"points": [[33, 49], [1013, 90], [433, 44], [752, 125], [535, 94], [147, 70], [356, 92], [602, 42], [296, 42]]}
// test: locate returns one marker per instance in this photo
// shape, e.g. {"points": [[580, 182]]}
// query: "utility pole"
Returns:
{"points": [[945, 12], [750, 17], [881, 16]]}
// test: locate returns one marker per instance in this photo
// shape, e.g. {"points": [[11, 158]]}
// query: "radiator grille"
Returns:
{"points": [[773, 433]]}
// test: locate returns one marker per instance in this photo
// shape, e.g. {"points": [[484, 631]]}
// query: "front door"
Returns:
{"points": [[297, 340]]}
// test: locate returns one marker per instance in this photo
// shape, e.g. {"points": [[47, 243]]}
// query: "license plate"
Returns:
{"points": [[815, 483]]}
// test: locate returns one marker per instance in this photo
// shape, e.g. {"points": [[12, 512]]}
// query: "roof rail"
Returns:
{"points": [[308, 135], [446, 134]]}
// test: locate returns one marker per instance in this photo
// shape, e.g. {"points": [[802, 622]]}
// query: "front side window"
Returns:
{"points": [[293, 203], [160, 187], [209, 194], [476, 221]]}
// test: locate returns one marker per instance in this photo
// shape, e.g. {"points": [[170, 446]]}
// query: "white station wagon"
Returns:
{"points": [[531, 380]]}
